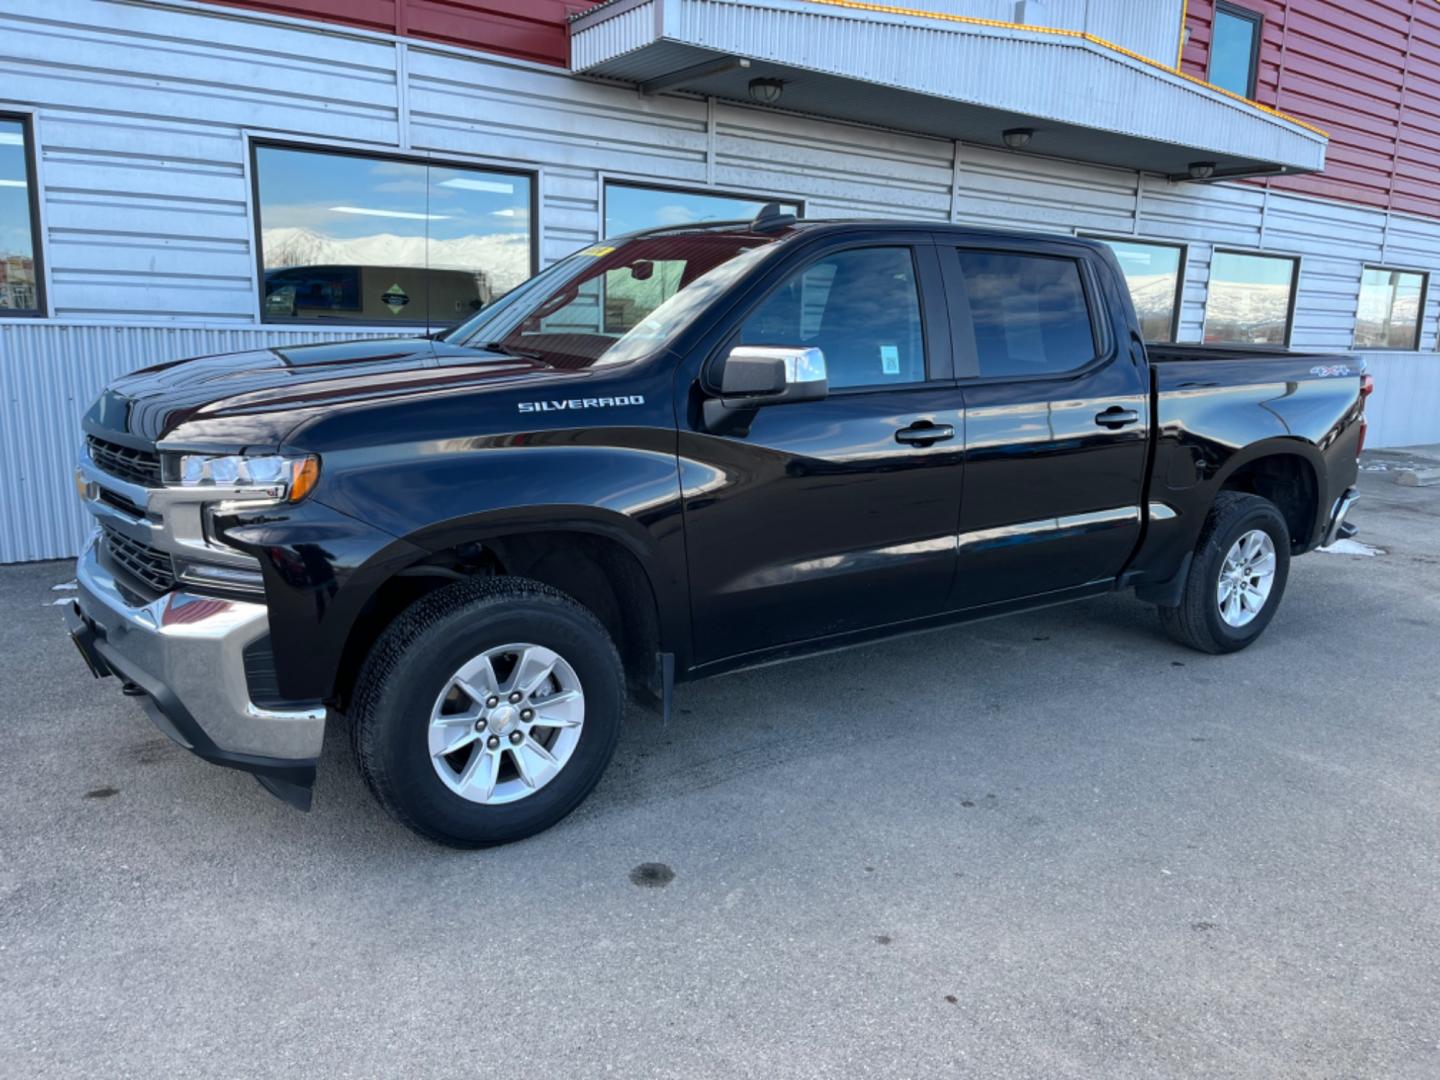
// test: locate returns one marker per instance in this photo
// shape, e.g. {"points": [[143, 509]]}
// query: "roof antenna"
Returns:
{"points": [[770, 219]]}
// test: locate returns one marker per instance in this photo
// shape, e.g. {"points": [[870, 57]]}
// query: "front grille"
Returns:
{"points": [[145, 564], [135, 466]]}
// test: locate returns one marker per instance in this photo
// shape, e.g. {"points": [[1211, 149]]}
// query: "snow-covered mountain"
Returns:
{"points": [[504, 257]]}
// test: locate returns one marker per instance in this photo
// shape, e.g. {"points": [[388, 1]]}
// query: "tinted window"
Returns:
{"points": [[861, 308], [372, 240], [1234, 49], [613, 303], [1029, 312], [1249, 299], [629, 207], [1152, 271], [1389, 314], [19, 264]]}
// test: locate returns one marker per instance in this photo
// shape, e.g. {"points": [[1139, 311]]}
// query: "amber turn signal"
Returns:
{"points": [[304, 475]]}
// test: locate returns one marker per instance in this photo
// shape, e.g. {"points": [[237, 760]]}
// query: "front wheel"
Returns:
{"points": [[487, 711], [1236, 577]]}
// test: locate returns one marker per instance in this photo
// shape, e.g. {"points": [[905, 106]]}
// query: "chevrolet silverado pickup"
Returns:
{"points": [[674, 454]]}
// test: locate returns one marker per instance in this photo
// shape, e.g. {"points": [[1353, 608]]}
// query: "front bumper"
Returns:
{"points": [[183, 655]]}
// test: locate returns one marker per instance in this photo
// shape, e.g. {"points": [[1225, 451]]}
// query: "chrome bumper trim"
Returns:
{"points": [[193, 645], [1337, 515]]}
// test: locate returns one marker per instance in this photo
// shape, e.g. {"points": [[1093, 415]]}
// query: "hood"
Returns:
{"points": [[250, 400]]}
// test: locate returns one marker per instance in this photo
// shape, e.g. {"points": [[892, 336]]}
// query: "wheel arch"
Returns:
{"points": [[603, 560], [1288, 472]]}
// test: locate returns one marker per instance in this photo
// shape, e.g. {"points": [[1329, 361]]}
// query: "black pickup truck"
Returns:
{"points": [[671, 455]]}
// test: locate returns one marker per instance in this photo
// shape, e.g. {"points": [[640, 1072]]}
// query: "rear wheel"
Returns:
{"points": [[488, 711], [1236, 577]]}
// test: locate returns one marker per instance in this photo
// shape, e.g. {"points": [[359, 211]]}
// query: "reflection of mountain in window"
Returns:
{"points": [[378, 240], [1389, 312], [1152, 271], [1249, 299]]}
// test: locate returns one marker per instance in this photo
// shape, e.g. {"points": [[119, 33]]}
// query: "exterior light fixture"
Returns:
{"points": [[766, 91], [1202, 170], [1017, 138]]}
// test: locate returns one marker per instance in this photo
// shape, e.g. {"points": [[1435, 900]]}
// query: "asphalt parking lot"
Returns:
{"points": [[1054, 845]]}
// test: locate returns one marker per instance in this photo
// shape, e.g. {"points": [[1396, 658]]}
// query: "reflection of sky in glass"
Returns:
{"points": [[1242, 269], [340, 209], [629, 208], [1230, 52], [14, 192], [18, 289], [1249, 298], [1152, 271], [304, 189], [1389, 309]]}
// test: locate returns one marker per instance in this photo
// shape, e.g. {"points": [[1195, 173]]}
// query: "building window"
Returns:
{"points": [[1251, 299], [1390, 305], [346, 237], [629, 207], [1235, 49], [21, 279], [1155, 274], [1030, 314]]}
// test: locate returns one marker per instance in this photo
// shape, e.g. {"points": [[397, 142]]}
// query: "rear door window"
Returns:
{"points": [[1029, 311]]}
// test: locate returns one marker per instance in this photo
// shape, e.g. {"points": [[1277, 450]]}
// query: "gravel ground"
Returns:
{"points": [[1054, 845]]}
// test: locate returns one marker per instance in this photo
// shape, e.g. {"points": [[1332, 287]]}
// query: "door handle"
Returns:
{"points": [[924, 433], [1115, 417]]}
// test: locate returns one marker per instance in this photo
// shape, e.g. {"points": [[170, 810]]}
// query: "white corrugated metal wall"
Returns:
{"points": [[142, 111]]}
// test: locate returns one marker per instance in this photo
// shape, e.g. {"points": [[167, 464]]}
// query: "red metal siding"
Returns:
{"points": [[1366, 71], [530, 29]]}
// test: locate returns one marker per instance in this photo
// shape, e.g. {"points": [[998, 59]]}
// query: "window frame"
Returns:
{"points": [[1294, 261], [967, 368], [935, 331], [1256, 19], [1419, 313], [257, 142], [41, 310], [1178, 245], [607, 181]]}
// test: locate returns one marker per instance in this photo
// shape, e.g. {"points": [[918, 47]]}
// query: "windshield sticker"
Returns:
{"points": [[890, 359], [581, 403], [597, 250], [395, 298]]}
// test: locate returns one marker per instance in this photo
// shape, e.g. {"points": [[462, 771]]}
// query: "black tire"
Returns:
{"points": [[413, 661], [1197, 621]]}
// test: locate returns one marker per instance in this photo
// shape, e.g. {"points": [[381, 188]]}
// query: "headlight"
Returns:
{"points": [[292, 477]]}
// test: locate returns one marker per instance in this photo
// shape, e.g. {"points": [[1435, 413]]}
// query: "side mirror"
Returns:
{"points": [[755, 375]]}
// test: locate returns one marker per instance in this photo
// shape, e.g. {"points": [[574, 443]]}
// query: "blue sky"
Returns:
{"points": [[14, 195], [346, 197]]}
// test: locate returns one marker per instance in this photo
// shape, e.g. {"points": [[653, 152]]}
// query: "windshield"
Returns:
{"points": [[613, 303]]}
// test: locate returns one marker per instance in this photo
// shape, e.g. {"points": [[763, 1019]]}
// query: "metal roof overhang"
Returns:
{"points": [[956, 78]]}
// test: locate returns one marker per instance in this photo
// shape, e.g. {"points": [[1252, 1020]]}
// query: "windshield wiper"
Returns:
{"points": [[501, 347]]}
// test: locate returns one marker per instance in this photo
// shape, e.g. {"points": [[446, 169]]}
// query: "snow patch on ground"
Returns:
{"points": [[1351, 547]]}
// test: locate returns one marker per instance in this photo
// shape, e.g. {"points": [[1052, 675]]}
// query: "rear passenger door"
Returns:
{"points": [[1056, 419]]}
